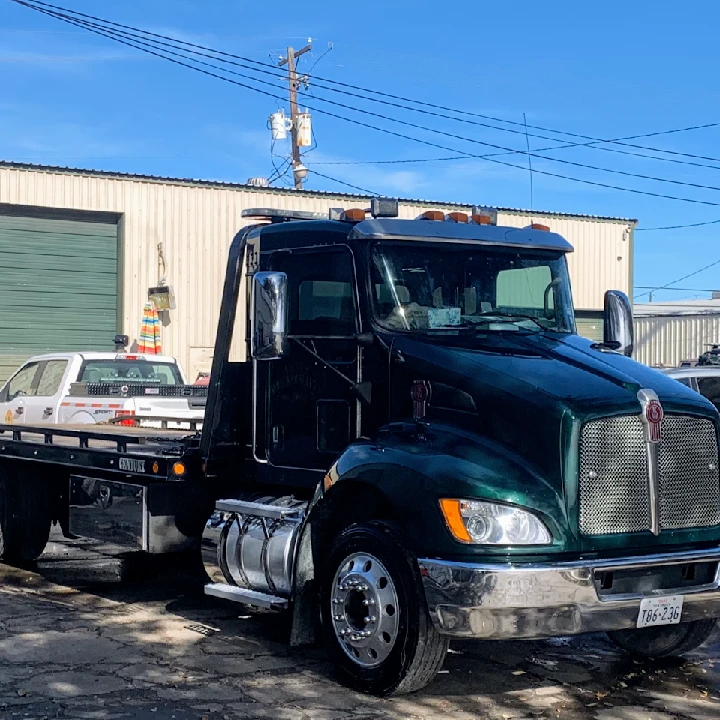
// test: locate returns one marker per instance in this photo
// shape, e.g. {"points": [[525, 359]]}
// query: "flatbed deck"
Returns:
{"points": [[106, 450]]}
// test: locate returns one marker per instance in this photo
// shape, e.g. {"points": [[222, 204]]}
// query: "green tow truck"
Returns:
{"points": [[405, 441]]}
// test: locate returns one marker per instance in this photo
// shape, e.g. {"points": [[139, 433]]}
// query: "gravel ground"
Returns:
{"points": [[80, 639]]}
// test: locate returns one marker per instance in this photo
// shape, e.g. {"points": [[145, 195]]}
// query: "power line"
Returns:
{"points": [[113, 35], [273, 72], [678, 227], [684, 277], [342, 182], [676, 289]]}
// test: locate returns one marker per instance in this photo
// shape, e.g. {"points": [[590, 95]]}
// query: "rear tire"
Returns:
{"points": [[377, 629], [665, 641], [25, 516]]}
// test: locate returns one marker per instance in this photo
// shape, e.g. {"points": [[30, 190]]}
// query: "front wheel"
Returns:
{"points": [[663, 641], [375, 621]]}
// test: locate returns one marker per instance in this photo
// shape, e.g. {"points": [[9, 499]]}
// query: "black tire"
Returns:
{"points": [[25, 516], [418, 650], [664, 641]]}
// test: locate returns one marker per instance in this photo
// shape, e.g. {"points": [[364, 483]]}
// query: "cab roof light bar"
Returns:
{"points": [[379, 208], [275, 215], [384, 207]]}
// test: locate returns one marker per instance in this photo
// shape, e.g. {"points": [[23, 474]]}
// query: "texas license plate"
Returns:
{"points": [[660, 611]]}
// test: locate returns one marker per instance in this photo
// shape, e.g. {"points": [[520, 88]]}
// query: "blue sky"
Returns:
{"points": [[605, 70]]}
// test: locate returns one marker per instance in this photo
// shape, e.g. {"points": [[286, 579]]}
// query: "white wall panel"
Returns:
{"points": [[196, 222]]}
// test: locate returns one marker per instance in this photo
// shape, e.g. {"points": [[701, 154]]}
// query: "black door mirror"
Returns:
{"points": [[618, 331]]}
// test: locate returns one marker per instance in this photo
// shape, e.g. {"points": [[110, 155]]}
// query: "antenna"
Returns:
{"points": [[529, 157]]}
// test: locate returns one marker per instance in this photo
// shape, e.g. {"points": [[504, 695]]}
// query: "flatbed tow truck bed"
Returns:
{"points": [[103, 450]]}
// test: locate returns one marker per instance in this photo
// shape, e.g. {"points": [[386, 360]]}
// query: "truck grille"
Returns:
{"points": [[614, 487]]}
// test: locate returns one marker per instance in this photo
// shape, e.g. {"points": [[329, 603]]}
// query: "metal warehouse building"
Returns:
{"points": [[80, 248], [667, 333]]}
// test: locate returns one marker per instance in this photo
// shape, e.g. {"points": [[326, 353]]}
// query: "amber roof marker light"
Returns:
{"points": [[436, 215]]}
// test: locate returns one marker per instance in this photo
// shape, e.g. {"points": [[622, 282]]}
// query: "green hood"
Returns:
{"points": [[526, 398]]}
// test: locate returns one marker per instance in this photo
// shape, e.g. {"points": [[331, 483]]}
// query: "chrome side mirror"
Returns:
{"points": [[619, 332], [269, 315]]}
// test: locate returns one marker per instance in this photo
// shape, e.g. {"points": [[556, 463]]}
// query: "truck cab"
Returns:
{"points": [[468, 462]]}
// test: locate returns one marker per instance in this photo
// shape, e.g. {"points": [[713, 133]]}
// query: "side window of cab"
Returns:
{"points": [[21, 384], [321, 292]]}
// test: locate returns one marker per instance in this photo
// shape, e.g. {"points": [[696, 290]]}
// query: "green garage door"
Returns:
{"points": [[58, 287]]}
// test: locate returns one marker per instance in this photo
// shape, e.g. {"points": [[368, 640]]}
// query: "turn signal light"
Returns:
{"points": [[178, 469], [432, 215], [453, 519], [539, 226], [458, 217], [482, 219]]}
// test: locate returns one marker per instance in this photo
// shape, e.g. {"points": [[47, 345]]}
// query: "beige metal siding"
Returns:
{"points": [[665, 341], [602, 259], [197, 222]]}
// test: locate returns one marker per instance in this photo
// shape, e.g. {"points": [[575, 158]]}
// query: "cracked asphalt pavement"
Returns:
{"points": [[79, 639]]}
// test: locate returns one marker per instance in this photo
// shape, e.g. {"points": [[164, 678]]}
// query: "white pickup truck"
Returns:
{"points": [[101, 387]]}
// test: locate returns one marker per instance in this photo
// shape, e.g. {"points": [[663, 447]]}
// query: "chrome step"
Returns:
{"points": [[245, 596], [245, 507]]}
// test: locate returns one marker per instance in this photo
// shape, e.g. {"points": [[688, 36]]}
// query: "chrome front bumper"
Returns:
{"points": [[534, 601]]}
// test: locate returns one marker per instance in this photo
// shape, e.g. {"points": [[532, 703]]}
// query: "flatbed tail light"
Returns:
{"points": [[129, 414], [436, 215], [458, 217]]}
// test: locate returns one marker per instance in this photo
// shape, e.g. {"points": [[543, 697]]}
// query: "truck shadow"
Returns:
{"points": [[163, 613]]}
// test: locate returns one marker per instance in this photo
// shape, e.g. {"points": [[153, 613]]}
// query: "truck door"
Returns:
{"points": [[17, 392], [42, 406], [310, 410]]}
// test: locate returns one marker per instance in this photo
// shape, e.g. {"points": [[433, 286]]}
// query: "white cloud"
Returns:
{"points": [[182, 35], [58, 142], [60, 62]]}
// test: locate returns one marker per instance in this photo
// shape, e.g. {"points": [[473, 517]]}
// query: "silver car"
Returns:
{"points": [[704, 379]]}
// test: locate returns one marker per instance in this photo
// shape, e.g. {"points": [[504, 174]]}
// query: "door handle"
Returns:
{"points": [[20, 410], [47, 412]]}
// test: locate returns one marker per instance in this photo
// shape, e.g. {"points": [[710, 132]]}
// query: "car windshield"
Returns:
{"points": [[433, 288], [130, 371]]}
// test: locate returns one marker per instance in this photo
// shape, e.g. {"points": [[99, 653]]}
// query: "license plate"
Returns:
{"points": [[660, 611]]}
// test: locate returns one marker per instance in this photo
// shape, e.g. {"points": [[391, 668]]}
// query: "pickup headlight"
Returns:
{"points": [[484, 523]]}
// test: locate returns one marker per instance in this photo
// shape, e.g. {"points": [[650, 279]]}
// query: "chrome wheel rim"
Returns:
{"points": [[364, 609]]}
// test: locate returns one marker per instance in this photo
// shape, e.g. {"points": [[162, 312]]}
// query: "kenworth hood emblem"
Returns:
{"points": [[652, 415]]}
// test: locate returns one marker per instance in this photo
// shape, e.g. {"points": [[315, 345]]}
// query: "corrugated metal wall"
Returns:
{"points": [[602, 259], [196, 224], [665, 341]]}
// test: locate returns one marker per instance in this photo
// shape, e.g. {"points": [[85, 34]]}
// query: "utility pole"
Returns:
{"points": [[289, 59]]}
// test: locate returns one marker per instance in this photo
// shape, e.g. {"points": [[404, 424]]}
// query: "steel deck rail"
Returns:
{"points": [[105, 450]]}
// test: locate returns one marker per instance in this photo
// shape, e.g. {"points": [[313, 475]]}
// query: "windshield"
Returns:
{"points": [[130, 371], [425, 287]]}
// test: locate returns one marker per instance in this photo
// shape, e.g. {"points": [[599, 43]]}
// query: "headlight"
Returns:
{"points": [[485, 523]]}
